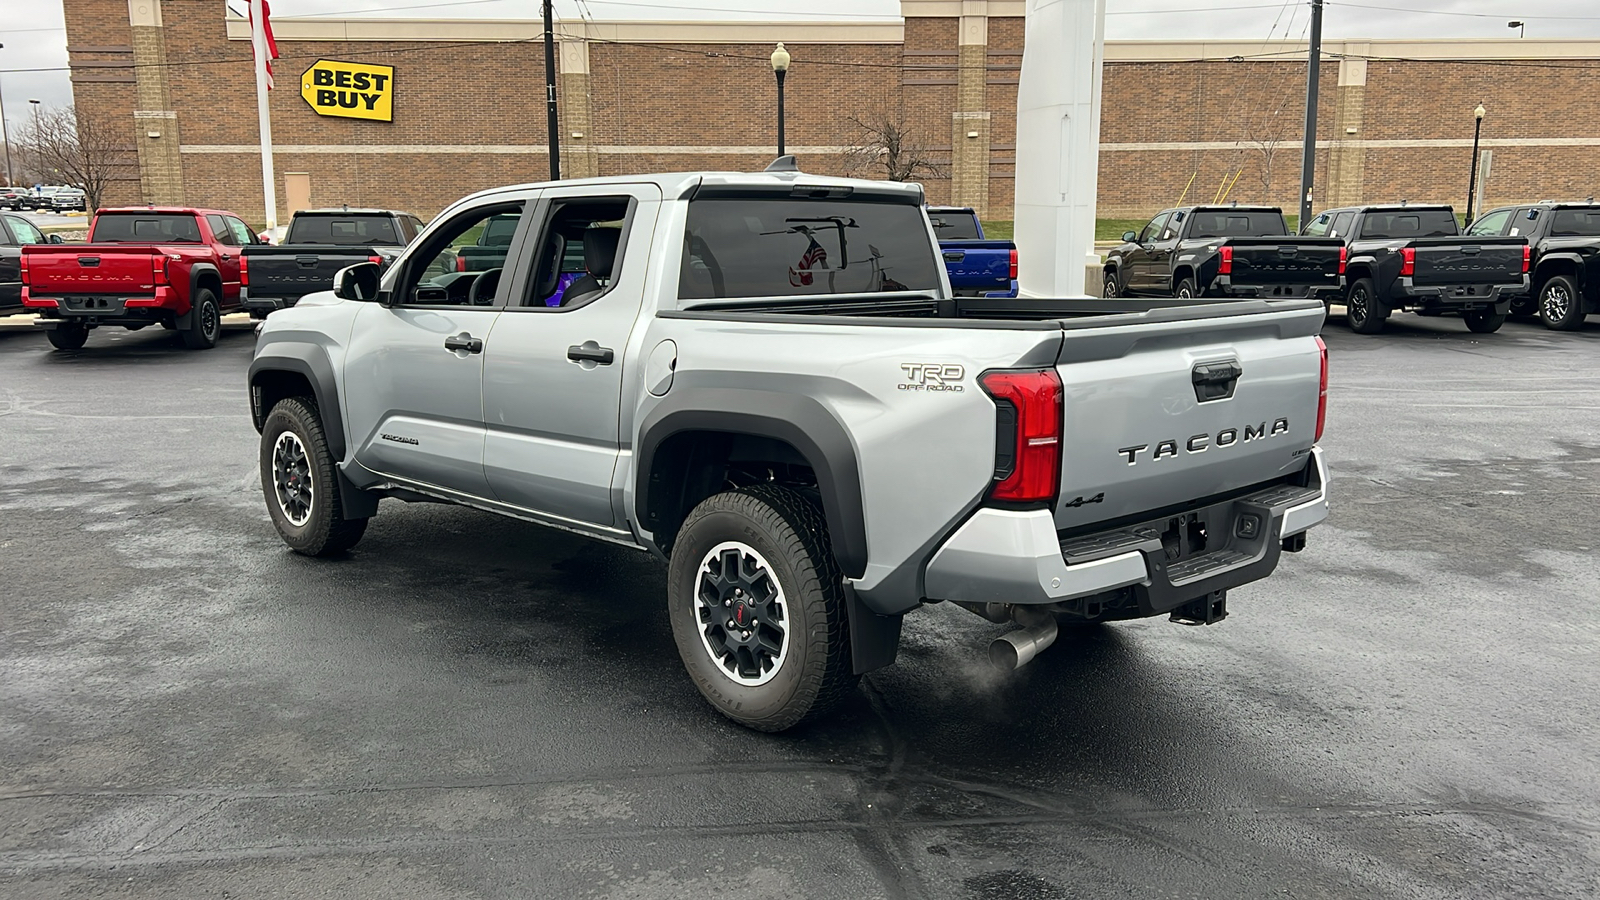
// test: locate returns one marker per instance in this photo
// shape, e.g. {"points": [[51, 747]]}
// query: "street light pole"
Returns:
{"points": [[4, 138], [1472, 180], [552, 121], [780, 68], [1308, 157]]}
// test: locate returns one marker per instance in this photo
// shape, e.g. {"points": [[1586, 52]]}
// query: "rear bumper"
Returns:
{"points": [[103, 310], [264, 304], [1015, 556], [1454, 296], [1226, 287]]}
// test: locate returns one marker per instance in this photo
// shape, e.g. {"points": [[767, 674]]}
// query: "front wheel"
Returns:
{"points": [[68, 337], [1362, 310], [1112, 289], [757, 607], [1484, 321], [301, 484], [205, 322], [1560, 304]]}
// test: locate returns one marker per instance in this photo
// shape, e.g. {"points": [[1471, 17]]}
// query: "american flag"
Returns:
{"points": [[814, 256], [266, 27]]}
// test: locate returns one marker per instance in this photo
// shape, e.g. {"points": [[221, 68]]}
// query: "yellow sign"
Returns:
{"points": [[349, 90]]}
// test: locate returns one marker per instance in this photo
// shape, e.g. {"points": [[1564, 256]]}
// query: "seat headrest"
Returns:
{"points": [[600, 250]]}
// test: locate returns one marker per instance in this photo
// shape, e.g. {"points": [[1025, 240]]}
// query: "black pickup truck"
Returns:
{"points": [[318, 244], [1222, 251], [1563, 258], [1403, 257]]}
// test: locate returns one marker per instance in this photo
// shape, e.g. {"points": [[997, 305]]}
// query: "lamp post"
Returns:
{"points": [[780, 68], [1472, 180], [4, 138], [1517, 26]]}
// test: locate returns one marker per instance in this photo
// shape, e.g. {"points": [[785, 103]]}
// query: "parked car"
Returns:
{"points": [[15, 231], [1222, 251], [815, 458], [978, 267], [41, 197], [1563, 258], [1404, 257], [318, 244], [69, 198], [176, 267], [11, 197]]}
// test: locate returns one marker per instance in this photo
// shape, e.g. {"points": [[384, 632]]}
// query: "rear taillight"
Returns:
{"points": [[461, 264], [1027, 434], [1408, 261], [1344, 258], [1322, 389], [1527, 254], [376, 260], [1014, 265], [24, 263], [158, 269], [1226, 266], [244, 271]]}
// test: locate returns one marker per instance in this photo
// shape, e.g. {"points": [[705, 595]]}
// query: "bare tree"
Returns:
{"points": [[884, 146], [1265, 135], [83, 152]]}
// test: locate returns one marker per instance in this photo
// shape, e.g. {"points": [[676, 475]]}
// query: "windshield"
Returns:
{"points": [[350, 229], [954, 226], [1575, 223], [1405, 223], [785, 247], [145, 228], [1236, 223]]}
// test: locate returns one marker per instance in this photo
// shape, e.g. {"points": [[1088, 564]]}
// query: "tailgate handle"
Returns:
{"points": [[1471, 250], [89, 261], [1288, 250], [1215, 381], [954, 255], [307, 261]]}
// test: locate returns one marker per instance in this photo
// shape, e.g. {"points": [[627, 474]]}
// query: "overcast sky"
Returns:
{"points": [[34, 38]]}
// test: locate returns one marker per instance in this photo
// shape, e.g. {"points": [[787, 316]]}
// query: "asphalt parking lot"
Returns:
{"points": [[472, 707]]}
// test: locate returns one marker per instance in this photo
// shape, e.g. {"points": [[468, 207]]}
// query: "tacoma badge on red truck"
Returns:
{"points": [[168, 266]]}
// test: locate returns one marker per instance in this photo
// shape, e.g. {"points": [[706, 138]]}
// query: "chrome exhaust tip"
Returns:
{"points": [[1013, 650]]}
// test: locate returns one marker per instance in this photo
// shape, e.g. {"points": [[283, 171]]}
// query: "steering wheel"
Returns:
{"points": [[483, 287]]}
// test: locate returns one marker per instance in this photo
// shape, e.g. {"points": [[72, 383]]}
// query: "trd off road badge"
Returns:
{"points": [[349, 90], [933, 377]]}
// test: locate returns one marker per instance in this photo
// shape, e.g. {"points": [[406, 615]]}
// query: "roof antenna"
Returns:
{"points": [[347, 207], [1403, 202], [784, 164]]}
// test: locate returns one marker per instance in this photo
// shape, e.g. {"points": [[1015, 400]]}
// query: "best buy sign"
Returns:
{"points": [[350, 90]]}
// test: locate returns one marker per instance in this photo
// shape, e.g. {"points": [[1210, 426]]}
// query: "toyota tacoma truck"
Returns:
{"points": [[318, 244], [1563, 258], [1405, 257], [1222, 251], [813, 457], [168, 266], [977, 266]]}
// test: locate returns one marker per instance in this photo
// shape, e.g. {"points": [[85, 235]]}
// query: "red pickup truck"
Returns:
{"points": [[168, 266]]}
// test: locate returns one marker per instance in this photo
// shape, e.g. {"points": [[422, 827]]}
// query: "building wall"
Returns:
{"points": [[1191, 120]]}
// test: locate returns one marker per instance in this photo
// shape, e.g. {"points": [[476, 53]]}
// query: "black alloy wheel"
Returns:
{"points": [[300, 482], [205, 322], [1362, 311]]}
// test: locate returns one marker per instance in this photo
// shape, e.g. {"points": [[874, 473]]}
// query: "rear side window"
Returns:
{"points": [[1403, 223], [789, 247], [1575, 222], [1235, 223], [145, 228], [954, 226], [343, 230]]}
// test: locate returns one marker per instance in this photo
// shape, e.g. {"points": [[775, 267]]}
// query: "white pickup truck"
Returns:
{"points": [[765, 380]]}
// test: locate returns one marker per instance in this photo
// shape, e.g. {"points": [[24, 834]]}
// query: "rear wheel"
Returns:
{"points": [[1484, 321], [757, 607], [1362, 310], [68, 337], [1560, 304], [205, 322], [1186, 290], [300, 482]]}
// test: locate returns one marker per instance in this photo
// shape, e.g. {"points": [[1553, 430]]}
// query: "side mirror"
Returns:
{"points": [[55, 239], [357, 282], [1129, 237]]}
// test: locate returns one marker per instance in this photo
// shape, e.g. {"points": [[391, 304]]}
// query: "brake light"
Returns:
{"points": [[1027, 434], [158, 269], [24, 263], [1226, 266], [375, 259], [1408, 261], [1322, 389], [244, 271], [461, 263], [1344, 258], [1014, 265], [1527, 254]]}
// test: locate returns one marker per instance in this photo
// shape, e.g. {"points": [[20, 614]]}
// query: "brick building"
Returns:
{"points": [[1179, 116]]}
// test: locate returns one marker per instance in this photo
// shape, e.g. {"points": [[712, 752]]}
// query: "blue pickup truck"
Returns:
{"points": [[977, 267]]}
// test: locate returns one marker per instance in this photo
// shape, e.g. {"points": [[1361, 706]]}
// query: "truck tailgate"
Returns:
{"points": [[1152, 414], [294, 271], [55, 270], [1285, 260], [1474, 260], [977, 265]]}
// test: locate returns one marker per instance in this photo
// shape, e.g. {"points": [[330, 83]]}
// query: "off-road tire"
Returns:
{"points": [[1566, 316], [205, 322], [1186, 290], [1364, 317], [326, 531], [1483, 321], [68, 337], [787, 529]]}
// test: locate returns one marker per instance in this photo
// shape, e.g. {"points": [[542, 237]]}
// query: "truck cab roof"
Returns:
{"points": [[688, 185], [164, 210], [351, 211]]}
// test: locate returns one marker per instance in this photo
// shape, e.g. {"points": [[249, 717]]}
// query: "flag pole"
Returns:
{"points": [[258, 41]]}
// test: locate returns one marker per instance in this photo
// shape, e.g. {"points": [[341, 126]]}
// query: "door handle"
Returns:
{"points": [[589, 351], [464, 341]]}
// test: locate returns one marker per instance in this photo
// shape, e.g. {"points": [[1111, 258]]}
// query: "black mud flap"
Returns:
{"points": [[874, 639]]}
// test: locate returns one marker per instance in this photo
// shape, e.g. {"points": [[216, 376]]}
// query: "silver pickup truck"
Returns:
{"points": [[765, 380]]}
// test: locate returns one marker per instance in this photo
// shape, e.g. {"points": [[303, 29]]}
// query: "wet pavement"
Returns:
{"points": [[468, 706]]}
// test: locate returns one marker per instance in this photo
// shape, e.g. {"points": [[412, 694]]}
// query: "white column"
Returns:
{"points": [[258, 40], [1058, 147]]}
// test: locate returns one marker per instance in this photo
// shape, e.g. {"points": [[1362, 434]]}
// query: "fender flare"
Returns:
{"points": [[308, 360], [197, 270], [799, 421]]}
